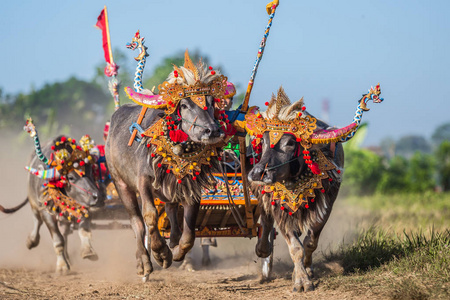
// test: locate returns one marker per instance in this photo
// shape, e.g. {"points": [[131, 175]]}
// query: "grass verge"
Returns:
{"points": [[396, 266], [404, 211]]}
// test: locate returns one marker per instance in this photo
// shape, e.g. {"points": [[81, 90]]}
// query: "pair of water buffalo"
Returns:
{"points": [[137, 170]]}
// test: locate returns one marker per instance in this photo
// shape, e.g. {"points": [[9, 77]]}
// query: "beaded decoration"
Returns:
{"points": [[302, 191], [62, 206], [180, 161], [60, 164]]}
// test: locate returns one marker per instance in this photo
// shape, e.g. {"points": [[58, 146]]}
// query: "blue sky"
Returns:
{"points": [[331, 50]]}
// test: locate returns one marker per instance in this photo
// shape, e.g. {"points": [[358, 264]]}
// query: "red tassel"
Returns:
{"points": [[178, 136], [314, 168], [228, 130]]}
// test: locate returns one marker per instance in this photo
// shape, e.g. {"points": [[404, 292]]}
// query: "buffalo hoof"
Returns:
{"points": [[31, 243], [263, 250], [144, 267], [307, 287], [89, 253], [179, 253], [145, 278], [310, 272], [62, 268], [164, 258], [187, 265]]}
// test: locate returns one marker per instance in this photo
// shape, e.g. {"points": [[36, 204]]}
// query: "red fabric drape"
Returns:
{"points": [[101, 24]]}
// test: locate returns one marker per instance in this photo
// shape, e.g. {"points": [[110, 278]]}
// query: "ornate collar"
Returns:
{"points": [[181, 159], [65, 207], [303, 191]]}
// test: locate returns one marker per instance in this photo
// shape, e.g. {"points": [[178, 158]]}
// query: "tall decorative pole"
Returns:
{"points": [[111, 68], [271, 8]]}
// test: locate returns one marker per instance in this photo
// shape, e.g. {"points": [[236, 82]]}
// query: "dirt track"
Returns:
{"points": [[29, 274]]}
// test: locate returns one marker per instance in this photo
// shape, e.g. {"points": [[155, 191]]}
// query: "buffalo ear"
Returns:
{"points": [[297, 106]]}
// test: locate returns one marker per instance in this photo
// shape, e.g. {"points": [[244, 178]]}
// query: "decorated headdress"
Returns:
{"points": [[194, 81], [66, 156], [282, 117], [279, 119]]}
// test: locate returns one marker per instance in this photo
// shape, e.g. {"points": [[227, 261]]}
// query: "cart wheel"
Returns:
{"points": [[267, 263]]}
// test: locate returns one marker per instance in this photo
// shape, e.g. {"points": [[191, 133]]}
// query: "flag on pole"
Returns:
{"points": [[111, 68], [102, 24]]}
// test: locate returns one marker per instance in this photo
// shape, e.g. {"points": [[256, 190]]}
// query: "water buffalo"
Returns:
{"points": [[301, 160], [79, 187], [154, 167]]}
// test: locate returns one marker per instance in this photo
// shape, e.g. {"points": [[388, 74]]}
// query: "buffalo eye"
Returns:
{"points": [[290, 143], [71, 178], [183, 106]]}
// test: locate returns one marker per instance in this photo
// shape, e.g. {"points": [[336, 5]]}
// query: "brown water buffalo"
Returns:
{"points": [[80, 187], [143, 169], [298, 176]]}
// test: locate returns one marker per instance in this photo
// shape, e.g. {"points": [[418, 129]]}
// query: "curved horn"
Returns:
{"points": [[323, 136], [50, 174], [346, 133], [31, 130], [151, 101]]}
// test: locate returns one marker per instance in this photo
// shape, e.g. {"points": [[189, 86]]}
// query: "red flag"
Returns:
{"points": [[102, 24]]}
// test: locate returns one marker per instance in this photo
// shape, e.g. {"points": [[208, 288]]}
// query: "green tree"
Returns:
{"points": [[363, 170], [125, 77], [408, 145], [421, 172], [443, 165], [394, 178], [442, 133], [73, 107]]}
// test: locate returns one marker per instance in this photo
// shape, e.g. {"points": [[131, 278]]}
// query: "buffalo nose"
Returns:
{"points": [[212, 131], [94, 199], [256, 173]]}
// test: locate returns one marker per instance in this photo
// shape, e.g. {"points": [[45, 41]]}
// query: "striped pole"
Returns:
{"points": [[271, 8]]}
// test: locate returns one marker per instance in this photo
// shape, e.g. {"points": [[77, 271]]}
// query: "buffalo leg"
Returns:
{"points": [[34, 237], [129, 201], [85, 234], [62, 264], [206, 260], [65, 226], [175, 230], [160, 250], [299, 276], [188, 237], [311, 240], [263, 248]]}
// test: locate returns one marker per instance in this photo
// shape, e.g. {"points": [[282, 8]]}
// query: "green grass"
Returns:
{"points": [[404, 211], [413, 265]]}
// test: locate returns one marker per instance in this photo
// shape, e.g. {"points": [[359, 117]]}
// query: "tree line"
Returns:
{"points": [[409, 165]]}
